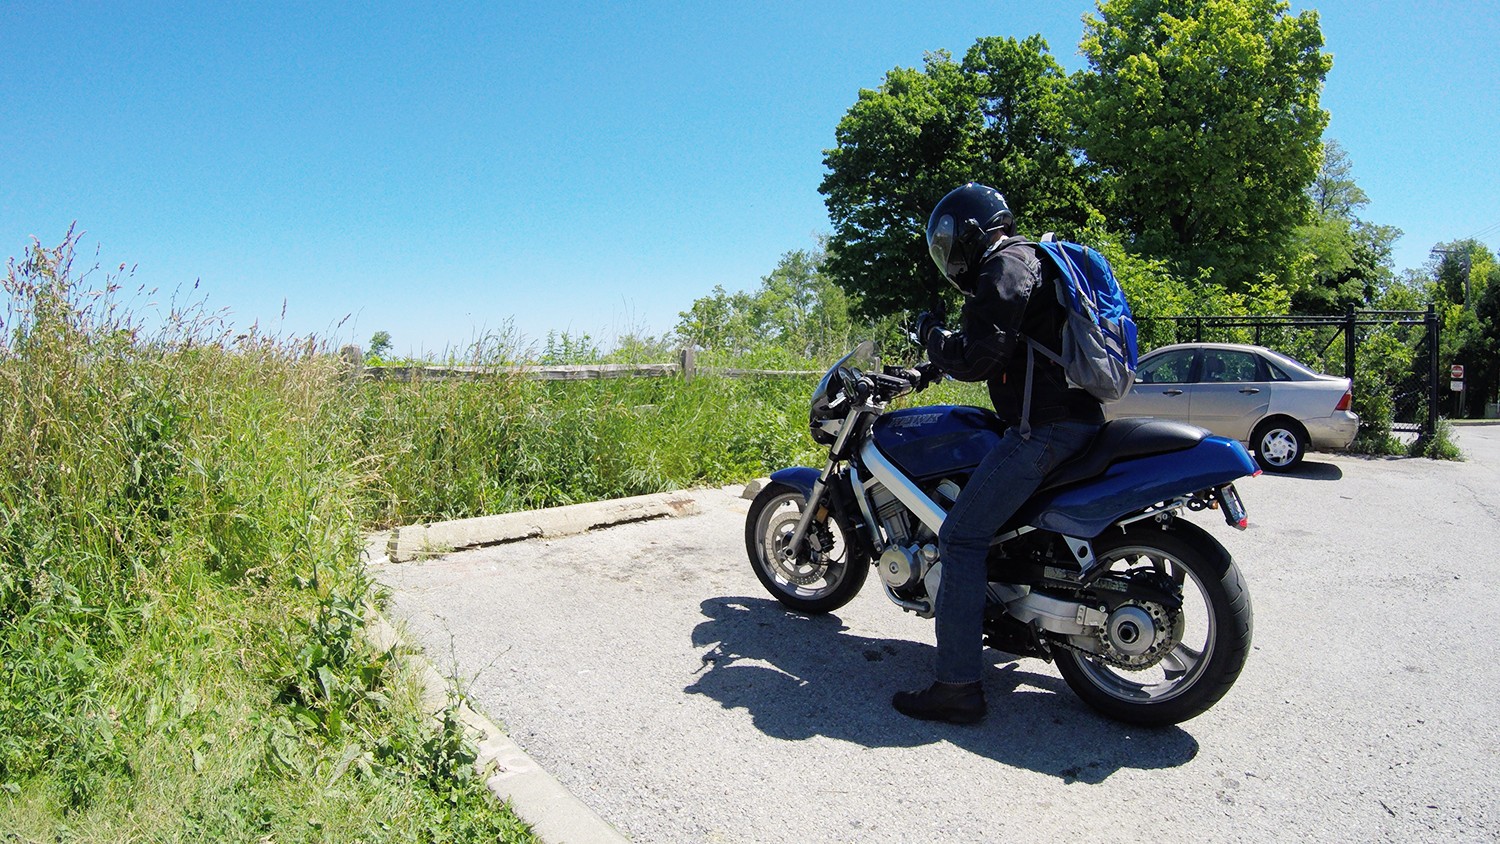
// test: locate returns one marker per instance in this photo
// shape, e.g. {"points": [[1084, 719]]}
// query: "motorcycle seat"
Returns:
{"points": [[1122, 439]]}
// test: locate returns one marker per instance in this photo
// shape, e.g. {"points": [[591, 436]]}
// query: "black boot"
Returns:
{"points": [[955, 703]]}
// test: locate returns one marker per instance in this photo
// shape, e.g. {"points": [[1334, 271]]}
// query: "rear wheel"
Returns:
{"points": [[820, 576], [1160, 666], [1279, 444]]}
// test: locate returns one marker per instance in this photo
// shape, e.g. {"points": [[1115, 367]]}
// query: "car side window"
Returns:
{"points": [[1275, 373], [1228, 366], [1170, 368]]}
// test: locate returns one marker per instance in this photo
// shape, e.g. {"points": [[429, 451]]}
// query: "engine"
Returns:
{"points": [[911, 548]]}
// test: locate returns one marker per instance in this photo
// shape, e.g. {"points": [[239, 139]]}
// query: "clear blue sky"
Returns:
{"points": [[594, 168]]}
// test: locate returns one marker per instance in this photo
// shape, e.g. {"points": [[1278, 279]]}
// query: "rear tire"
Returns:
{"points": [[816, 580], [1214, 640], [1279, 444]]}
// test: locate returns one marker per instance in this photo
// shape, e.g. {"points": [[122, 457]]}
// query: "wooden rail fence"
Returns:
{"points": [[685, 367]]}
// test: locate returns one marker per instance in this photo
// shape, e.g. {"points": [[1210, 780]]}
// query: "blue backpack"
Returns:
{"points": [[1099, 351]]}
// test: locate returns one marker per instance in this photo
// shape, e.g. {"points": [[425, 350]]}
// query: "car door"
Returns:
{"points": [[1232, 394], [1161, 388]]}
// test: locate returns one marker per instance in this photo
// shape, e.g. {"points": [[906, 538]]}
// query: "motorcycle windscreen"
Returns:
{"points": [[930, 442]]}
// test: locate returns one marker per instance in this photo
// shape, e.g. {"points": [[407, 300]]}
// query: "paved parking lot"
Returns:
{"points": [[645, 667]]}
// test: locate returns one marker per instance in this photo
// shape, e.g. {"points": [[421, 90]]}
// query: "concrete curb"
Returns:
{"points": [[555, 814], [415, 542]]}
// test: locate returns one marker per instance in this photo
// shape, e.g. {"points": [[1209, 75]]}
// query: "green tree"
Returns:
{"points": [[1026, 148], [719, 320], [998, 117], [797, 312], [1466, 283], [900, 148], [380, 346], [1204, 117], [1348, 259]]}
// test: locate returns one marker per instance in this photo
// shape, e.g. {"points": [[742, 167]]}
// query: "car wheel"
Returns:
{"points": [[1279, 444]]}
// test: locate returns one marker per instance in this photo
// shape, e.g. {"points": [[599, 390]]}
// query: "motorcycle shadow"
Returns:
{"points": [[801, 676]]}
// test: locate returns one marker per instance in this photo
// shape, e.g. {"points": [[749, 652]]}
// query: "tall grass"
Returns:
{"points": [[456, 449], [180, 592]]}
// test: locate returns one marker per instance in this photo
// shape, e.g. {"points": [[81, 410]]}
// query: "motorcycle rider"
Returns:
{"points": [[971, 235]]}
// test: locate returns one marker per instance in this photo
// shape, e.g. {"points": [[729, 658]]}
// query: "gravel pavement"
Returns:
{"points": [[646, 668]]}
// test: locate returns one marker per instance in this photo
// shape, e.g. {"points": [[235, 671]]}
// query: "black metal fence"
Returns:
{"points": [[1311, 338]]}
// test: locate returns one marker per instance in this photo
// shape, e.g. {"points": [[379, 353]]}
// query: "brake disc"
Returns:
{"points": [[809, 564]]}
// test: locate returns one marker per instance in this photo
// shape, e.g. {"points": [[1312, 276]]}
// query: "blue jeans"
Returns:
{"points": [[1003, 482]]}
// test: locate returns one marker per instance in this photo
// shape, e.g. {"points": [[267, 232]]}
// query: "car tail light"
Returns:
{"points": [[1344, 402]]}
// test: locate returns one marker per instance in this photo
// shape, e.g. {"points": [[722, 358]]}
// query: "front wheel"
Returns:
{"points": [[1199, 649], [818, 577]]}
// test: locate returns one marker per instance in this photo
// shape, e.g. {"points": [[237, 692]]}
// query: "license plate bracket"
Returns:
{"points": [[1232, 507]]}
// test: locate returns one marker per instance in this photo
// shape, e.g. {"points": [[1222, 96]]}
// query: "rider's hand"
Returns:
{"points": [[927, 374], [917, 377], [926, 323]]}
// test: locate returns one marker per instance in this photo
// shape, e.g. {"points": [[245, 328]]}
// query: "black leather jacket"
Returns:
{"points": [[990, 345]]}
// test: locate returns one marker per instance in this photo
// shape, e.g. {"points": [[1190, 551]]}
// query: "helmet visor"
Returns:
{"points": [[940, 242]]}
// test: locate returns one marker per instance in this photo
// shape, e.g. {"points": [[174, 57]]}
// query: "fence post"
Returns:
{"points": [[1433, 331], [354, 361], [1350, 344], [686, 360]]}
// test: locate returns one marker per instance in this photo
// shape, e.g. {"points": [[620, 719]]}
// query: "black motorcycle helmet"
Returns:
{"points": [[960, 228]]}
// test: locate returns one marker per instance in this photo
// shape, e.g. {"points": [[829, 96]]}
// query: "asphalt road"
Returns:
{"points": [[645, 667]]}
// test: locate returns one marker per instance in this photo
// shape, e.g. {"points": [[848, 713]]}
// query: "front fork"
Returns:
{"points": [[809, 512], [852, 423]]}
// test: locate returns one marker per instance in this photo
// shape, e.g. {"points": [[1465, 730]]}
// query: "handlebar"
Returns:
{"points": [[890, 384]]}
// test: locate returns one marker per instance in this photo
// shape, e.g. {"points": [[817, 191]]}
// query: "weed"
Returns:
{"points": [[1440, 445]]}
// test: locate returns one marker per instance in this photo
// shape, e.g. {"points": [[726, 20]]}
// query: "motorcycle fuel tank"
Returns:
{"points": [[927, 442]]}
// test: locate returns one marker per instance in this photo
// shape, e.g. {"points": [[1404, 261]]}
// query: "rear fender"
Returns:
{"points": [[1129, 486]]}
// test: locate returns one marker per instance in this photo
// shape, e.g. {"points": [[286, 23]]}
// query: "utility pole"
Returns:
{"points": [[1465, 260]]}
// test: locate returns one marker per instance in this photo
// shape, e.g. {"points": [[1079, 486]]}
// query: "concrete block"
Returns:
{"points": [[416, 542]]}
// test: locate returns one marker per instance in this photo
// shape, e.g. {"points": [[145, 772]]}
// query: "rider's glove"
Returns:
{"points": [[927, 322], [918, 376], [928, 373]]}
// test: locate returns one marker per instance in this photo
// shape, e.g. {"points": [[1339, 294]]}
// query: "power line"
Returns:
{"points": [[1484, 231]]}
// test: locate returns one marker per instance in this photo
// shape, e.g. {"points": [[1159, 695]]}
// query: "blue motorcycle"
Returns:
{"points": [[1145, 613]]}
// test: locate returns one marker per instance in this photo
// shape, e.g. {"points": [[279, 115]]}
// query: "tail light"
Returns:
{"points": [[1344, 402]]}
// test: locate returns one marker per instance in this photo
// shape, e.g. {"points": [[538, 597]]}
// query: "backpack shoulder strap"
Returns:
{"points": [[1045, 249]]}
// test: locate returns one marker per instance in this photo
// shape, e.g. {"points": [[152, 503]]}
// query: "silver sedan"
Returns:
{"points": [[1274, 405]]}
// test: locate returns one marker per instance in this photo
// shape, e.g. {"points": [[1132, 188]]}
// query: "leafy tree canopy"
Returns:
{"points": [[797, 310], [1348, 259], [1204, 116], [998, 117], [380, 346], [1465, 281]]}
